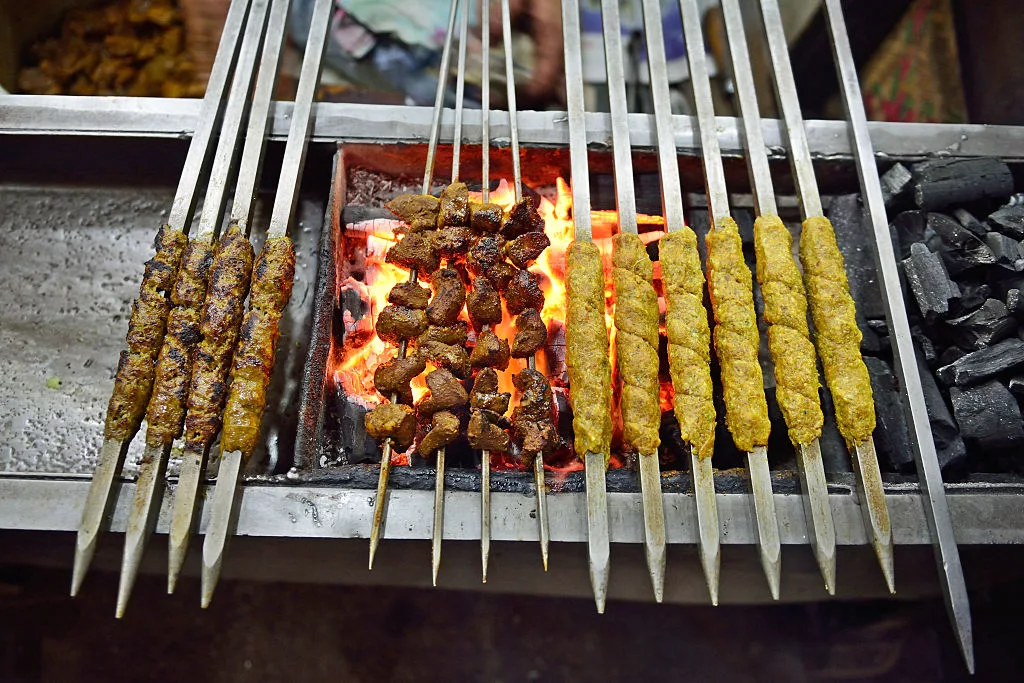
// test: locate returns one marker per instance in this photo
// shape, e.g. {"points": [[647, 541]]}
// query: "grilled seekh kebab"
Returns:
{"points": [[785, 312], [137, 366], [272, 280], [736, 336], [636, 313], [586, 335], [832, 309]]}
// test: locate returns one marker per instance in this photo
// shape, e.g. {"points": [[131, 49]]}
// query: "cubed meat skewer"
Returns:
{"points": [[490, 351], [531, 334], [449, 298]]}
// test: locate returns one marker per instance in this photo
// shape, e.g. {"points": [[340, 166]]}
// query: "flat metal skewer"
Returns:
{"points": [[223, 509], [598, 544], [821, 530], [672, 210], [98, 503], [768, 541], [933, 494], [193, 461], [625, 199], [485, 194], [865, 461]]}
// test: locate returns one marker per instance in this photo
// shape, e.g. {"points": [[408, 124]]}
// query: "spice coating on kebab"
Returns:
{"points": [[444, 428], [444, 392], [485, 217], [450, 356], [396, 323], [490, 351], [836, 332], [522, 218], [136, 367], [736, 337], [523, 250], [418, 211], [785, 311], [253, 363], [415, 252], [394, 376], [410, 295], [484, 304], [586, 355], [455, 334], [454, 206], [486, 253], [533, 420], [531, 334], [689, 340], [392, 421], [636, 342], [485, 431], [453, 241], [449, 298], [485, 394], [523, 291]]}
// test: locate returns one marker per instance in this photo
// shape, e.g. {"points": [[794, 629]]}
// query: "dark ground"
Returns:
{"points": [[274, 632]]}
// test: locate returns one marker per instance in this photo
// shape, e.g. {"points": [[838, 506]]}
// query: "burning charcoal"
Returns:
{"points": [[393, 376], [960, 248], [1007, 251], [524, 249], [396, 323], [454, 206], [392, 421], [485, 217], [929, 281], [939, 183], [410, 295], [1004, 357], [444, 428], [531, 334], [449, 298], [1009, 220], [456, 334], [948, 445], [892, 436], [970, 222], [447, 356], [453, 241], [484, 304], [855, 238], [524, 218], [988, 415], [523, 292], [907, 229], [983, 327], [415, 252], [485, 432], [445, 392], [418, 211], [485, 394], [485, 254], [972, 296], [490, 351], [925, 347], [895, 184]]}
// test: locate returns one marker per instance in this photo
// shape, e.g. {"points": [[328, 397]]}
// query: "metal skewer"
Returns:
{"points": [[223, 507], [672, 209], [865, 461], [95, 515], [380, 501], [625, 199], [148, 489], [933, 494], [193, 462], [598, 545], [485, 193], [769, 545], [821, 530]]}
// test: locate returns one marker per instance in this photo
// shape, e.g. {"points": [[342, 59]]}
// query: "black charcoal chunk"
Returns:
{"points": [[1004, 357], [972, 296], [1015, 303], [928, 280], [907, 229], [988, 415], [983, 327], [854, 235], [939, 183], [892, 437], [960, 248], [924, 344], [948, 445], [869, 341], [896, 184], [1007, 251], [834, 456], [967, 220], [1009, 220], [1016, 385], [950, 355]]}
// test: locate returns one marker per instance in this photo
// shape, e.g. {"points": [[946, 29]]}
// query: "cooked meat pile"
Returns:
{"points": [[533, 420], [531, 334], [133, 47], [168, 402], [253, 364], [392, 421], [736, 337], [837, 335], [636, 343], [137, 365], [484, 304], [689, 340], [490, 351], [393, 377], [222, 318], [785, 311], [486, 430], [449, 298], [587, 358]]}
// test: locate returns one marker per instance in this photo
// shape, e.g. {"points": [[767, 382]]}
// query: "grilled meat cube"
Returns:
{"points": [[410, 295], [454, 206], [533, 419], [524, 249], [485, 394], [485, 433], [453, 241], [448, 356], [484, 304], [523, 292], [534, 438], [393, 376], [444, 429], [523, 218], [415, 252], [456, 334], [531, 334], [418, 211], [486, 253], [445, 392], [490, 351], [392, 421], [500, 275], [396, 323], [485, 217], [273, 275], [449, 298]]}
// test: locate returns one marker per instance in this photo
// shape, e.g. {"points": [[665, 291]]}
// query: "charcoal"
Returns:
{"points": [[939, 183], [949, 447], [925, 346], [892, 437], [983, 327], [1004, 357], [1009, 220], [972, 296], [960, 248], [988, 415], [967, 220], [854, 235], [870, 342], [1015, 303], [950, 355], [834, 456], [908, 228], [895, 184], [1002, 281], [928, 280], [1007, 251], [1016, 385]]}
